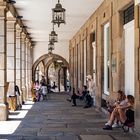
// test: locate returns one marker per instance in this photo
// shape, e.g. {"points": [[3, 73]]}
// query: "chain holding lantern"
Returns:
{"points": [[58, 17]]}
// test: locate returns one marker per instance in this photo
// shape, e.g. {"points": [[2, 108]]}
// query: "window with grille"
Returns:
{"points": [[128, 14]]}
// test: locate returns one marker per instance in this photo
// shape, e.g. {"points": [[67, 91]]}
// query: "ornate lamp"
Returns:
{"points": [[53, 37], [58, 14]]}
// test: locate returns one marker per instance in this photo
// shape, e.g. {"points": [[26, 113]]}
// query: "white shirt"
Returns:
{"points": [[123, 103], [44, 90]]}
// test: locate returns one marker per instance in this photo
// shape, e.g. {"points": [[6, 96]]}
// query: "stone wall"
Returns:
{"points": [[109, 11]]}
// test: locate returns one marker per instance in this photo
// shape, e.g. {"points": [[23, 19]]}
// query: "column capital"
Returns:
{"points": [[29, 44], [18, 28], [18, 31], [23, 36], [3, 3], [11, 22], [27, 41], [11, 19], [3, 9]]}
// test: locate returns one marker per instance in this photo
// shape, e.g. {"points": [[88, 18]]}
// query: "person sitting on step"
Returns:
{"points": [[120, 101], [78, 96], [89, 100], [120, 113]]}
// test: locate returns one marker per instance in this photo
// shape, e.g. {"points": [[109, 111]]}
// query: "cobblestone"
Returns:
{"points": [[56, 119]]}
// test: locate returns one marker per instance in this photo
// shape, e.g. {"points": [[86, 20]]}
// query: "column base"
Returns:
{"points": [[21, 97], [24, 94], [12, 103], [27, 91], [3, 112]]}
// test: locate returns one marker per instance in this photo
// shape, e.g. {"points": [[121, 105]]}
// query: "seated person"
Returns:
{"points": [[89, 100], [120, 113], [54, 86], [120, 101], [78, 96]]}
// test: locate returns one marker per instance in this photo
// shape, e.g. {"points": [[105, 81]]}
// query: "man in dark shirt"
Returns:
{"points": [[78, 96]]}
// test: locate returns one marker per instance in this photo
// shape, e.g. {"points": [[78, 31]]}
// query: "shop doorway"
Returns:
{"points": [[106, 58], [85, 61], [94, 57], [129, 57]]}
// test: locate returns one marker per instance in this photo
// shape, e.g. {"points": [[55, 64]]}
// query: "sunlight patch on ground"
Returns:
{"points": [[8, 127], [15, 118]]}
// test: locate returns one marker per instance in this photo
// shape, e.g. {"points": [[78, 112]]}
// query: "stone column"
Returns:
{"points": [[26, 71], [11, 61], [31, 61], [18, 59], [72, 67], [18, 56], [75, 67], [3, 85], [65, 78], [59, 79], [23, 36], [30, 68], [70, 63]]}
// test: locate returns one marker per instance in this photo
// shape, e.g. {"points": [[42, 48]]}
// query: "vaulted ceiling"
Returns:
{"points": [[37, 16]]}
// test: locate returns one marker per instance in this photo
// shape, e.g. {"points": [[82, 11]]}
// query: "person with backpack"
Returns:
{"points": [[89, 100], [76, 96]]}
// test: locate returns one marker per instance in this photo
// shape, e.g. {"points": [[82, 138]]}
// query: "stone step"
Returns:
{"points": [[95, 137]]}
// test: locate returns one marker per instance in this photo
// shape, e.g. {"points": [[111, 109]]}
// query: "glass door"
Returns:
{"points": [[106, 57]]}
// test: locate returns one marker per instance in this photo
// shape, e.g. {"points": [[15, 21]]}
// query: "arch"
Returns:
{"points": [[50, 58]]}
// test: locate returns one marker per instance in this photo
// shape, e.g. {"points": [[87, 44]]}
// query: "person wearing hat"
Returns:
{"points": [[91, 87]]}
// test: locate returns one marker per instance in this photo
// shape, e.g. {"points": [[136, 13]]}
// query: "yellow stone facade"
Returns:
{"points": [[110, 11]]}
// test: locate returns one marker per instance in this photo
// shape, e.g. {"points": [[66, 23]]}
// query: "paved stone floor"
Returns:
{"points": [[56, 119]]}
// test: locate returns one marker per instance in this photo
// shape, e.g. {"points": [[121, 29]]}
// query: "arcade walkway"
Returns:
{"points": [[56, 119]]}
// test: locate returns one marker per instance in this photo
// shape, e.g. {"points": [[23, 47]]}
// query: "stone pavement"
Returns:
{"points": [[56, 119]]}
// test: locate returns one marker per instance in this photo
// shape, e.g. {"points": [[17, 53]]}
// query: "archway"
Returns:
{"points": [[58, 65]]}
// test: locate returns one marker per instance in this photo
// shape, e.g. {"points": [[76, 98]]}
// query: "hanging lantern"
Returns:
{"points": [[53, 37], [58, 14]]}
